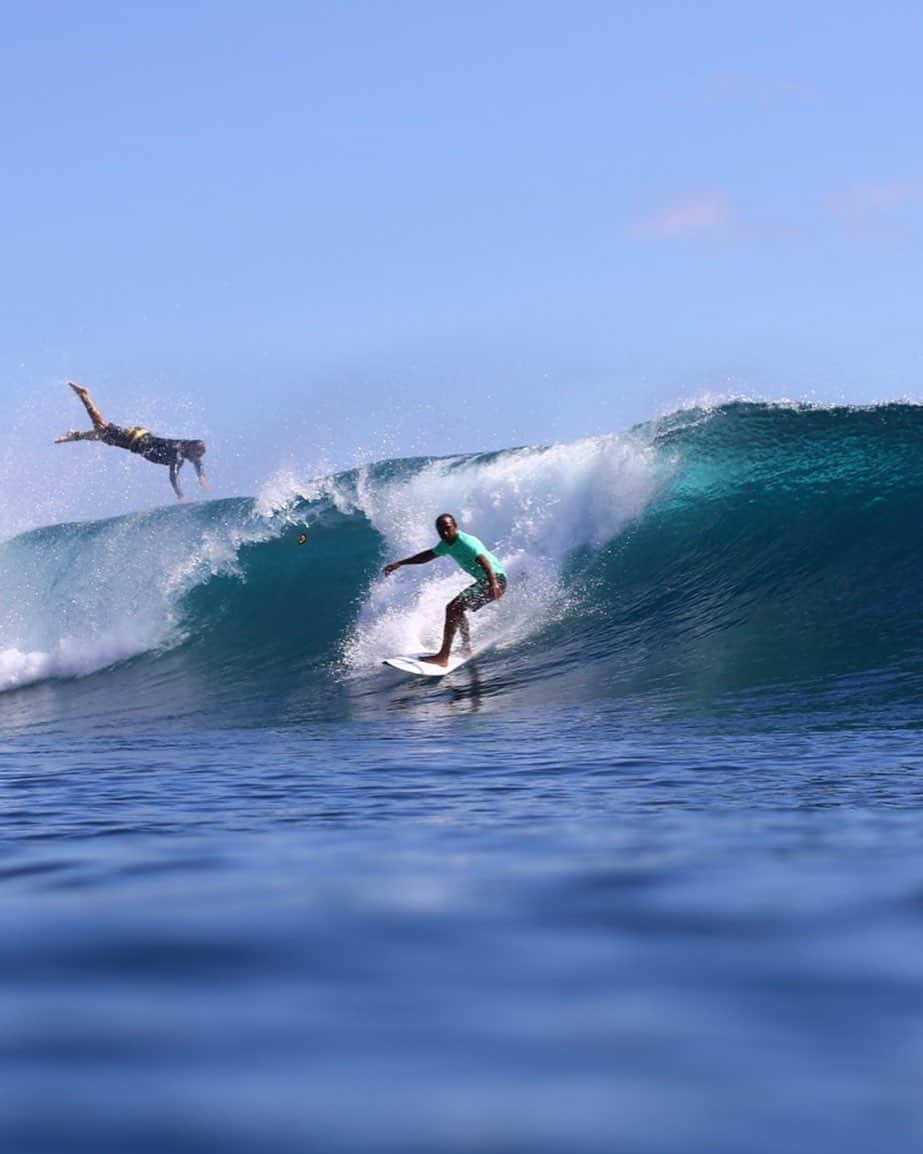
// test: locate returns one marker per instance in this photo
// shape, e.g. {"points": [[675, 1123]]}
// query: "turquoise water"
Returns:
{"points": [[645, 875]]}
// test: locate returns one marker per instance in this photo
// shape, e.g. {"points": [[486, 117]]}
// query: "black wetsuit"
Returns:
{"points": [[159, 450]]}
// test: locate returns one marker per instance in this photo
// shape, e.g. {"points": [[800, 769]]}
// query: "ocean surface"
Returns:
{"points": [[644, 876]]}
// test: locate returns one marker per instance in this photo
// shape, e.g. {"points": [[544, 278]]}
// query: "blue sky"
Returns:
{"points": [[326, 232]]}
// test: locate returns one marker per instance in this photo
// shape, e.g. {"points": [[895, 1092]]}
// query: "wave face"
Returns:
{"points": [[715, 551]]}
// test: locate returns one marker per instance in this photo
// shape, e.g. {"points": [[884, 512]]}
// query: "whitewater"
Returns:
{"points": [[642, 875]]}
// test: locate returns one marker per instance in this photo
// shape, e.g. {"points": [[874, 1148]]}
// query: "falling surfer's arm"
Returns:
{"points": [[175, 467], [74, 435], [416, 559]]}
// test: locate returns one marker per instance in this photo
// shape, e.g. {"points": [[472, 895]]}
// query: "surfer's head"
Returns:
{"points": [[446, 527]]}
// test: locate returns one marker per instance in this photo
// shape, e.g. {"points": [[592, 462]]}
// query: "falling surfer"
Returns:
{"points": [[160, 450]]}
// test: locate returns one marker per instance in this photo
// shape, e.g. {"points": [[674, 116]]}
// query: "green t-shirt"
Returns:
{"points": [[466, 549]]}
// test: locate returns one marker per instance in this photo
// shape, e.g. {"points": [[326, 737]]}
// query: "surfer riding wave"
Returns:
{"points": [[477, 560]]}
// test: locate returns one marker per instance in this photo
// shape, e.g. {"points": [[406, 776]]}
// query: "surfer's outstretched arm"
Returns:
{"points": [[416, 559], [74, 435]]}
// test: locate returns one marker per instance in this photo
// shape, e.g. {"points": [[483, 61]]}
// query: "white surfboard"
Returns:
{"points": [[410, 664]]}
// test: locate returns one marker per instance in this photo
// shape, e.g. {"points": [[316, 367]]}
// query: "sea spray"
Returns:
{"points": [[532, 507], [77, 598]]}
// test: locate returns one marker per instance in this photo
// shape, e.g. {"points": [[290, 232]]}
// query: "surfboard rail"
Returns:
{"points": [[413, 664]]}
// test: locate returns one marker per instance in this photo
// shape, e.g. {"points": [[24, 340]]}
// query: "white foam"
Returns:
{"points": [[532, 507], [68, 658], [78, 598], [285, 489]]}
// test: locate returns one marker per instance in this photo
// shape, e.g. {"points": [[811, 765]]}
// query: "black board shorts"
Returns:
{"points": [[478, 595]]}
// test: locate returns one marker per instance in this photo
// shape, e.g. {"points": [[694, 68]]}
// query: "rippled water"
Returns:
{"points": [[585, 931]]}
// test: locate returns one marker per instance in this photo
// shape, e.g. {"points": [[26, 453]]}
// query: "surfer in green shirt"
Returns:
{"points": [[477, 560]]}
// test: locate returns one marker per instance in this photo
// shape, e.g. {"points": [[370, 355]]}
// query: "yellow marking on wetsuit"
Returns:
{"points": [[137, 434]]}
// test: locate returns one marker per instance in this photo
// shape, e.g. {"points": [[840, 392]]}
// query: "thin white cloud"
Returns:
{"points": [[696, 214], [881, 196], [755, 88], [882, 208], [884, 211]]}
